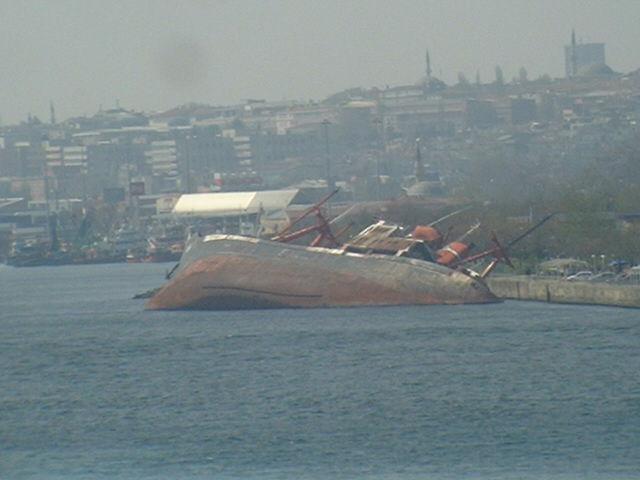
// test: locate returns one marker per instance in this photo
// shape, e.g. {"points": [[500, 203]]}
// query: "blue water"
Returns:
{"points": [[92, 386]]}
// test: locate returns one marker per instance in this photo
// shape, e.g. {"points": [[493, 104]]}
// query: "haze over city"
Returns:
{"points": [[319, 239], [153, 55]]}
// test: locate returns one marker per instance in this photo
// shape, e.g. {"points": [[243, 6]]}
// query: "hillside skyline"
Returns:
{"points": [[154, 55]]}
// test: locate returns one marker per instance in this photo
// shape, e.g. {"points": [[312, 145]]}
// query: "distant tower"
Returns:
{"points": [[574, 63], [428, 77], [52, 113]]}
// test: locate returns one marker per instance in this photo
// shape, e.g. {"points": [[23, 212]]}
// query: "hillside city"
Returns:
{"points": [[525, 146]]}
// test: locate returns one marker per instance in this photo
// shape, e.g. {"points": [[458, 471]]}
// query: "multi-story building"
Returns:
{"points": [[415, 111], [68, 167], [22, 159], [201, 153], [112, 164], [269, 148], [162, 159]]}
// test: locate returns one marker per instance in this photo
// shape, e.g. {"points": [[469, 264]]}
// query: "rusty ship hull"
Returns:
{"points": [[221, 272]]}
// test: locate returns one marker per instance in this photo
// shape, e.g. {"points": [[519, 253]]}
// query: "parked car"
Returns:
{"points": [[580, 276]]}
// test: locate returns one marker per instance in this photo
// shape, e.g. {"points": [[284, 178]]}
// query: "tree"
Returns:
{"points": [[544, 79], [499, 76], [522, 74]]}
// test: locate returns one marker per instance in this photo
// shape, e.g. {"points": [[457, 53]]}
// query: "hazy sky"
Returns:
{"points": [[155, 54]]}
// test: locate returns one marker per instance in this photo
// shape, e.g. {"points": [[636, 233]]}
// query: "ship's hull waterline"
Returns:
{"points": [[231, 272]]}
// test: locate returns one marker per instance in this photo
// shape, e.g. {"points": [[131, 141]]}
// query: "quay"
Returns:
{"points": [[552, 290]]}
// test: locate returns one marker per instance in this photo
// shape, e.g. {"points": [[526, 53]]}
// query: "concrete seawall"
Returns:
{"points": [[562, 291]]}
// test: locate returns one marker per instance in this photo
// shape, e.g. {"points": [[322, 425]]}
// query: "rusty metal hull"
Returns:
{"points": [[232, 272]]}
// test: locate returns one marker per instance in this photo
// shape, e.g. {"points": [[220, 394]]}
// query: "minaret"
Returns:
{"points": [[574, 60], [428, 77], [52, 113]]}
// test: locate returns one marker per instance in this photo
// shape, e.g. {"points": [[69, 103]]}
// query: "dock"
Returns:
{"points": [[553, 290]]}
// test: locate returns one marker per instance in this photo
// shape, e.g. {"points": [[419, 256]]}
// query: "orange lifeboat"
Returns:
{"points": [[431, 236], [453, 252]]}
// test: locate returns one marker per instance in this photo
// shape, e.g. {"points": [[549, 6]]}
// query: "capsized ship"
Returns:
{"points": [[235, 272], [377, 267]]}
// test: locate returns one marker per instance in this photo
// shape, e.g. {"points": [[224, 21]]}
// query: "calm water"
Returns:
{"points": [[92, 386]]}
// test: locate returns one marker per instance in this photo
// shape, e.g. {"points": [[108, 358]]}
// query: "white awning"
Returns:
{"points": [[227, 204]]}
